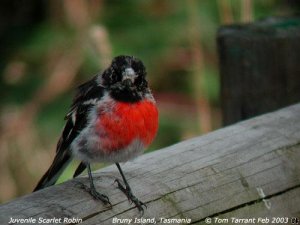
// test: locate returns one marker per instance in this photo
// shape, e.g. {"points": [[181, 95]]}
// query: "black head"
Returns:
{"points": [[125, 79]]}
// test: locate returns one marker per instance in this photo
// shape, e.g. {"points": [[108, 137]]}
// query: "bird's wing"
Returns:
{"points": [[76, 120], [86, 97]]}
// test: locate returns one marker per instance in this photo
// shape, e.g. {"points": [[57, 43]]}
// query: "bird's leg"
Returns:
{"points": [[127, 191], [92, 189]]}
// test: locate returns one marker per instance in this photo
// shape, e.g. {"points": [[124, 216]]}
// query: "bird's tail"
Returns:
{"points": [[60, 162]]}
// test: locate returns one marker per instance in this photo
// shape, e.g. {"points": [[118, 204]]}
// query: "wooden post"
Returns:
{"points": [[260, 67], [248, 170]]}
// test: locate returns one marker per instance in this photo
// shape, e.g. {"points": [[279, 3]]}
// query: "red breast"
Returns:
{"points": [[127, 122]]}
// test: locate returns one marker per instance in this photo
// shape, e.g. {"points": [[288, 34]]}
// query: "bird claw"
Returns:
{"points": [[131, 198], [98, 196]]}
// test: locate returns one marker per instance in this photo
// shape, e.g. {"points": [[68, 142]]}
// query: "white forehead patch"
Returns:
{"points": [[128, 72]]}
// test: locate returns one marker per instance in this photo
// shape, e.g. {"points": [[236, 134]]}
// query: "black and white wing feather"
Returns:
{"points": [[76, 120]]}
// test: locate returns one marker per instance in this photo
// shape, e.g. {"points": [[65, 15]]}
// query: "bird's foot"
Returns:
{"points": [[127, 191], [96, 195]]}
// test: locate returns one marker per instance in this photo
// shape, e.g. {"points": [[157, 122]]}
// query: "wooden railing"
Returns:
{"points": [[250, 170]]}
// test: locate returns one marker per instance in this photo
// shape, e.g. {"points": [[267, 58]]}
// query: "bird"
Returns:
{"points": [[113, 118]]}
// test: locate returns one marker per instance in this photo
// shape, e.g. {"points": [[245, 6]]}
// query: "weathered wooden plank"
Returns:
{"points": [[216, 174]]}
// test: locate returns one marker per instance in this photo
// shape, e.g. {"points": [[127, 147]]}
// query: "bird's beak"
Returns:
{"points": [[128, 76]]}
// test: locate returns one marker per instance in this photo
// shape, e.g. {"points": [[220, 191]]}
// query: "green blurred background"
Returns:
{"points": [[50, 47]]}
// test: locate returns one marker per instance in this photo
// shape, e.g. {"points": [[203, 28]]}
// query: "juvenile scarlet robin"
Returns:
{"points": [[113, 118]]}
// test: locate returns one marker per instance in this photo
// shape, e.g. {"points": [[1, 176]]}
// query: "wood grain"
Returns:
{"points": [[250, 169]]}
